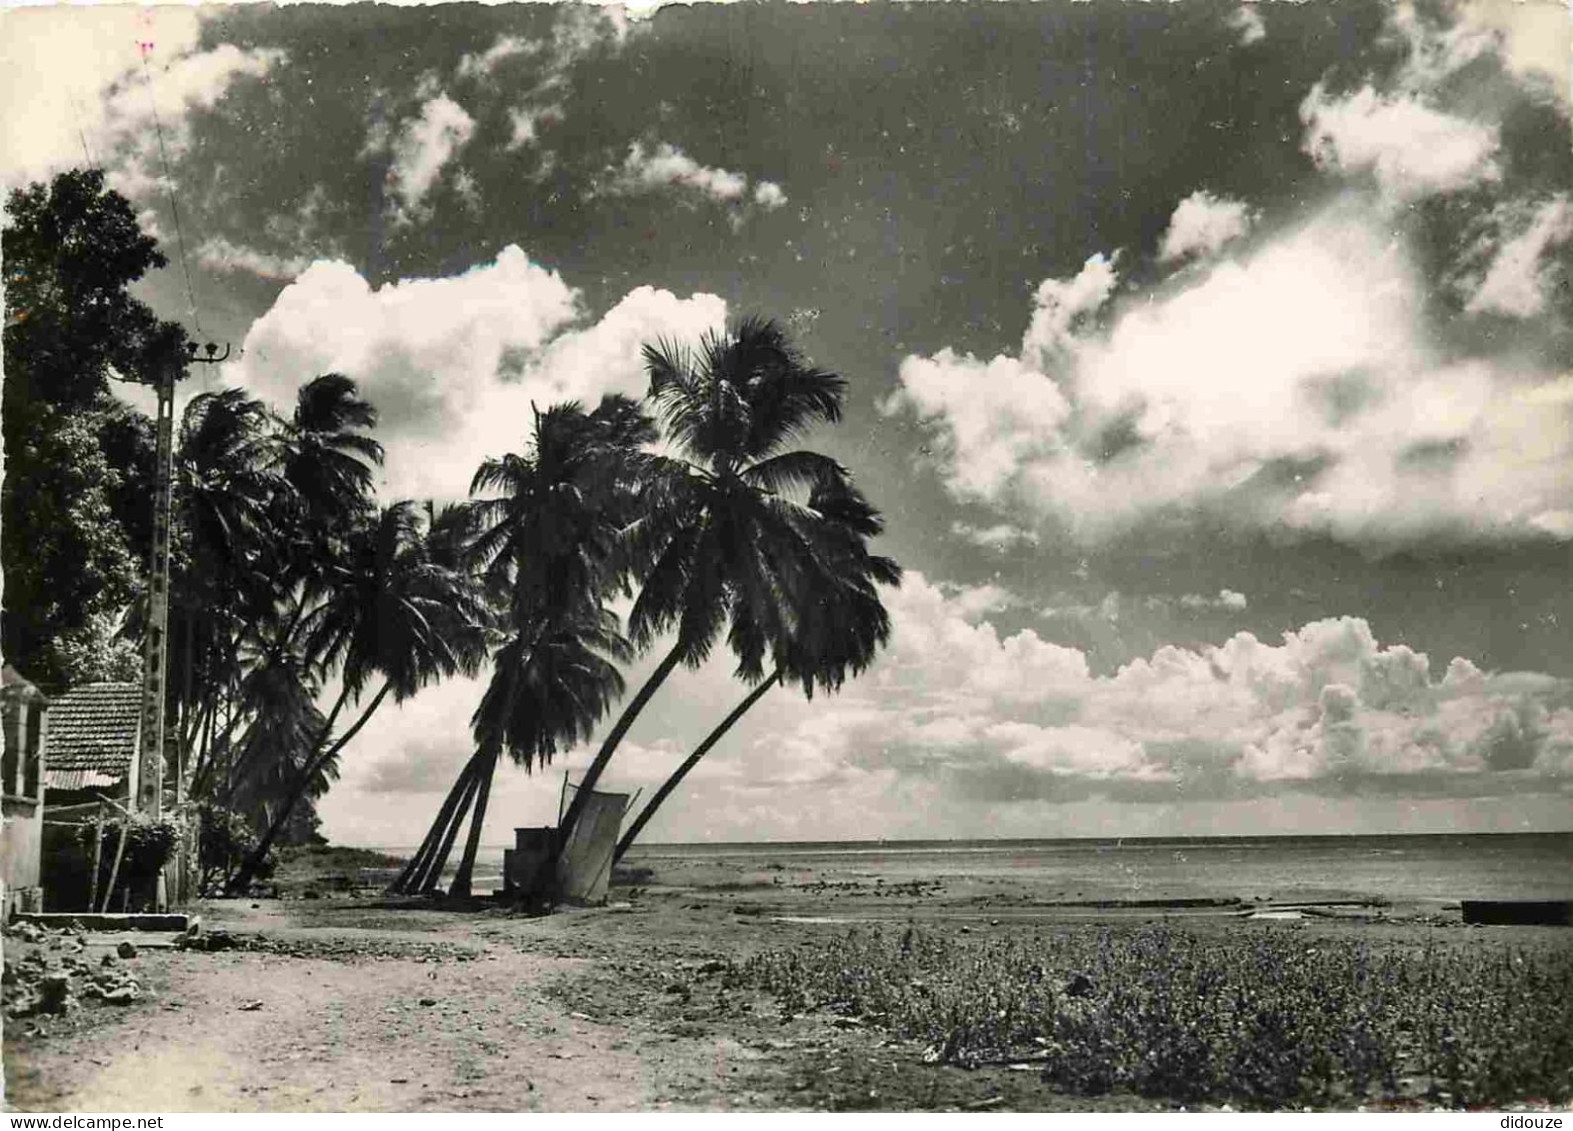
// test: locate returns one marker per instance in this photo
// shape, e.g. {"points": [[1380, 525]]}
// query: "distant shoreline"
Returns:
{"points": [[1010, 842]]}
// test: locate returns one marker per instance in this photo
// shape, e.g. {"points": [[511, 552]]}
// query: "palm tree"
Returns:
{"points": [[227, 560], [387, 611], [840, 623], [328, 458], [721, 542], [545, 544], [265, 507]]}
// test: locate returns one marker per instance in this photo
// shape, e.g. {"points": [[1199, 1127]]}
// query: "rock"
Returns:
{"points": [[1078, 985], [109, 960], [428, 1001], [250, 1006], [121, 995], [126, 949], [54, 991]]}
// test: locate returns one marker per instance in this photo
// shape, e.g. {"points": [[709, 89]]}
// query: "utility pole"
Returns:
{"points": [[155, 643]]}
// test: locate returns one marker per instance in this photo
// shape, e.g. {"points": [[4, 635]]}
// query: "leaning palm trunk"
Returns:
{"points": [[484, 771], [609, 746], [432, 876], [320, 757], [415, 870], [682, 771]]}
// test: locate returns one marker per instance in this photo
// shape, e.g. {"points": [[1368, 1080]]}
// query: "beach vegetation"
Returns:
{"points": [[1263, 1019]]}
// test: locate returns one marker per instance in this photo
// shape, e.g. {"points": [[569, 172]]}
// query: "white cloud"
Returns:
{"points": [[91, 96], [961, 730], [1202, 224], [426, 144], [998, 415], [1410, 148], [475, 66], [666, 168], [1061, 307], [1001, 536], [1328, 702], [769, 195], [223, 255], [1533, 38], [1249, 23], [1517, 283], [453, 364], [1226, 599], [527, 120], [1294, 385]]}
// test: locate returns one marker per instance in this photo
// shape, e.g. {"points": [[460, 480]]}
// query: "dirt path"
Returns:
{"points": [[483, 1027]]}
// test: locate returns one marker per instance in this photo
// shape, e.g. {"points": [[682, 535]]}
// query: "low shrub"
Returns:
{"points": [[1261, 1019]]}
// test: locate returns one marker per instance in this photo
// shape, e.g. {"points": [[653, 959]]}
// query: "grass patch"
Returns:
{"points": [[1265, 1019], [332, 868], [326, 857]]}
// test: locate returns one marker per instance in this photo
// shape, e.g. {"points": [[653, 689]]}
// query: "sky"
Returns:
{"points": [[1211, 362]]}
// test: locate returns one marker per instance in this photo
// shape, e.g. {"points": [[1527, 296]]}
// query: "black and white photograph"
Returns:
{"points": [[788, 557]]}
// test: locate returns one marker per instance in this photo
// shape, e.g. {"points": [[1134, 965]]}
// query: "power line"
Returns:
{"points": [[169, 192], [81, 134]]}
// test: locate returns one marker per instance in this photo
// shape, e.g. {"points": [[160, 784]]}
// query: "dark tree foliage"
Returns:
{"points": [[77, 461]]}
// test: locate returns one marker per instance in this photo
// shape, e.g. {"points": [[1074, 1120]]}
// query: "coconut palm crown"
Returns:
{"points": [[726, 537]]}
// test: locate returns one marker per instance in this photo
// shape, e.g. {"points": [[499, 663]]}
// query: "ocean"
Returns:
{"points": [[1412, 868]]}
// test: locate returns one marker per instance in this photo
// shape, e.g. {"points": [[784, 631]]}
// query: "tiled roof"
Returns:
{"points": [[92, 735]]}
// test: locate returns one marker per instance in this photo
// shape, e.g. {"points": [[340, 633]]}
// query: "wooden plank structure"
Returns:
{"points": [[1519, 912]]}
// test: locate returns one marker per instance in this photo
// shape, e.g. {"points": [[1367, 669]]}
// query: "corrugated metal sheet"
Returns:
{"points": [[92, 736], [82, 779]]}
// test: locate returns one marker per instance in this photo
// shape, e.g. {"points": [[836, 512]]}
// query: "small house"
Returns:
{"points": [[92, 754], [95, 745]]}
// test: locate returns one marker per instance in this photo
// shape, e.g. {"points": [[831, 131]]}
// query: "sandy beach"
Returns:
{"points": [[653, 1002]]}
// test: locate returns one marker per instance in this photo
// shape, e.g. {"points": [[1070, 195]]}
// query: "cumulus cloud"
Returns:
{"points": [[1411, 149], [956, 722], [221, 254], [454, 364], [1298, 383], [1249, 23], [769, 195], [96, 80], [423, 147], [1532, 39], [1202, 224], [666, 168], [1327, 706], [1294, 387], [1518, 281]]}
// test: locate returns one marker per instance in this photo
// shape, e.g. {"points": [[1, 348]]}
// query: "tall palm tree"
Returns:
{"points": [[329, 458], [840, 622], [544, 540], [722, 542], [227, 560], [387, 611], [266, 504]]}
